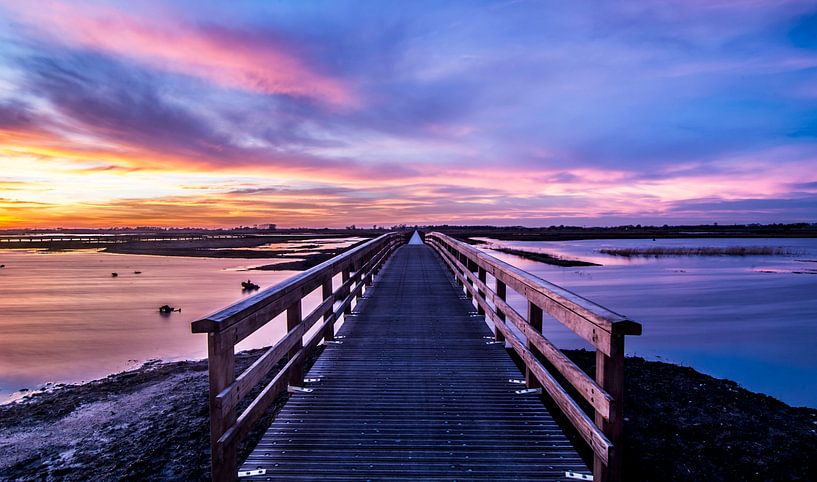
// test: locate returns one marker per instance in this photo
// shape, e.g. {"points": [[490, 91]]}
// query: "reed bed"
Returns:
{"points": [[703, 251]]}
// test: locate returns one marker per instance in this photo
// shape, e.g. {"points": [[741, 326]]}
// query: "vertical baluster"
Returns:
{"points": [[610, 375], [221, 370], [294, 319], [470, 266], [326, 291], [345, 275], [501, 293], [483, 276], [535, 320]]}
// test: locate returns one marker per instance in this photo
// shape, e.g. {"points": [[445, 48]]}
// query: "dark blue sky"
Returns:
{"points": [[333, 113]]}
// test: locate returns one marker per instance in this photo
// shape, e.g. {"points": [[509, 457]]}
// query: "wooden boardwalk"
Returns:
{"points": [[413, 387]]}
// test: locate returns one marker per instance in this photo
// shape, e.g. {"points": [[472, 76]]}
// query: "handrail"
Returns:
{"points": [[604, 329], [226, 327]]}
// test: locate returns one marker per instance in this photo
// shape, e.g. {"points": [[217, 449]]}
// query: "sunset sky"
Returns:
{"points": [[310, 113]]}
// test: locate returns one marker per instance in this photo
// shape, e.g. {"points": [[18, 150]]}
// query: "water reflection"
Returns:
{"points": [[64, 318]]}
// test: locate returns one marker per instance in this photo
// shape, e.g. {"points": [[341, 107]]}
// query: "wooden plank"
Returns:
{"points": [[586, 386], [259, 405], [501, 294], [308, 281], [610, 374], [414, 392], [591, 434], [537, 289], [265, 314], [294, 320], [231, 395], [483, 278], [584, 328], [535, 322], [328, 294], [221, 371]]}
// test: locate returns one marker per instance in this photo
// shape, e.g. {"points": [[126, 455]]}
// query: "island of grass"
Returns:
{"points": [[544, 257], [702, 251]]}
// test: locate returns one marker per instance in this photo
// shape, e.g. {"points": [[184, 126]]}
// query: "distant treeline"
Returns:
{"points": [[562, 233]]}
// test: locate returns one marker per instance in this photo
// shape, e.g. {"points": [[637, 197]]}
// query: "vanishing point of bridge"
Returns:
{"points": [[416, 385]]}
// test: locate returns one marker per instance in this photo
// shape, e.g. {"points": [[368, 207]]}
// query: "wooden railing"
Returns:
{"points": [[231, 325], [599, 326]]}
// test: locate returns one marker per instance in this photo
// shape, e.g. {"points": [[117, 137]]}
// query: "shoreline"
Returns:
{"points": [[151, 422]]}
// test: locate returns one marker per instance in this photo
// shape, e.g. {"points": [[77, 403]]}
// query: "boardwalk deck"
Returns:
{"points": [[414, 390]]}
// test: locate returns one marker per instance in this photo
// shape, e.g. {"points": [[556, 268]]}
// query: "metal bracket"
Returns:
{"points": [[528, 391], [521, 382], [339, 337], [294, 389], [577, 476], [494, 342], [333, 342], [311, 380], [250, 473]]}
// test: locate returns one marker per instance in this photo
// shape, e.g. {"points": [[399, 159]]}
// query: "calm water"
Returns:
{"points": [[752, 319], [64, 318]]}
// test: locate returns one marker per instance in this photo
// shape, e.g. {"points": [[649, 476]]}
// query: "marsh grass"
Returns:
{"points": [[703, 251]]}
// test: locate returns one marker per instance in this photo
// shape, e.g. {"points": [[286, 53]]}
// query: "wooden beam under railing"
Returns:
{"points": [[229, 326], [604, 329]]}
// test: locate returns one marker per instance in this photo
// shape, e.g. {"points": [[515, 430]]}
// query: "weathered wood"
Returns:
{"points": [[221, 372], [535, 289], [259, 405], [226, 391], [287, 293], [604, 329], [414, 392], [586, 386], [580, 325], [293, 322], [328, 294], [304, 283], [501, 293], [610, 375], [345, 279], [470, 268], [483, 277], [230, 396], [535, 322], [594, 437]]}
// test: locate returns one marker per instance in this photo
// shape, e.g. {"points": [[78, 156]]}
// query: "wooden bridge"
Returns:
{"points": [[418, 384]]}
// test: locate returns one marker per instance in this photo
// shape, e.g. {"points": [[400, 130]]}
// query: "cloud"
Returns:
{"points": [[126, 109], [345, 114], [230, 58]]}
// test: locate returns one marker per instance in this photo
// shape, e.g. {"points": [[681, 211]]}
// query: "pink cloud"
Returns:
{"points": [[227, 58]]}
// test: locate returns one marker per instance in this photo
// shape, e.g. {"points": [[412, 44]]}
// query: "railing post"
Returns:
{"points": [[294, 318], [221, 371], [329, 331], [501, 293], [344, 277], [469, 265], [356, 266], [483, 276], [535, 321], [610, 375]]}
